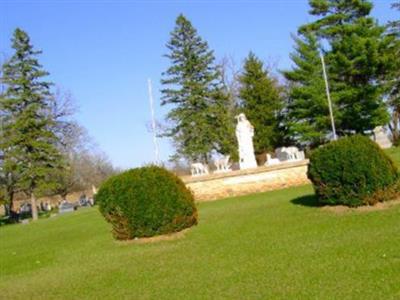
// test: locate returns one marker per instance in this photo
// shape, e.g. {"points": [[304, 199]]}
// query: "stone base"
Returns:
{"points": [[243, 182]]}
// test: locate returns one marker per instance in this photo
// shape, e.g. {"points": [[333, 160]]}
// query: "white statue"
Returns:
{"points": [[272, 161], [198, 169], [244, 135], [222, 164], [381, 138], [300, 155]]}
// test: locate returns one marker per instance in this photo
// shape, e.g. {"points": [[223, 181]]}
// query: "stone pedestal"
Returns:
{"points": [[244, 182]]}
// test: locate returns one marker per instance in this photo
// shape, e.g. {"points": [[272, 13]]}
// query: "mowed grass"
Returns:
{"points": [[273, 245]]}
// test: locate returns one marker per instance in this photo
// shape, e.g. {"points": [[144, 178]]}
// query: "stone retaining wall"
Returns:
{"points": [[243, 182]]}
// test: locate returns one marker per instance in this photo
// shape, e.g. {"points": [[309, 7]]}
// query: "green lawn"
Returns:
{"points": [[274, 245]]}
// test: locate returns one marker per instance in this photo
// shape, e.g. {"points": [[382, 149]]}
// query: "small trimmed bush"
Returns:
{"points": [[145, 202], [352, 171]]}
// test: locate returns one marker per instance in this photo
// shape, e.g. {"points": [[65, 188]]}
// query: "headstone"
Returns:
{"points": [[65, 207], [381, 138], [244, 135], [282, 154], [26, 208]]}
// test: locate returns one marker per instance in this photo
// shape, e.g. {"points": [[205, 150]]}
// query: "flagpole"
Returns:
{"points": [[153, 124], [328, 95]]}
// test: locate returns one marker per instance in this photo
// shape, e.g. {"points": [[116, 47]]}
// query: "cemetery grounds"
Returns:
{"points": [[274, 245]]}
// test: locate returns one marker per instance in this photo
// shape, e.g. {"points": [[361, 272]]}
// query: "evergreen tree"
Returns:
{"points": [[307, 113], [199, 117], [395, 25], [393, 79], [222, 120], [261, 102], [8, 172], [29, 145], [355, 61], [7, 182]]}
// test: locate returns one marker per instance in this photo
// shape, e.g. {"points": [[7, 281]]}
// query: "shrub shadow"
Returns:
{"points": [[307, 200]]}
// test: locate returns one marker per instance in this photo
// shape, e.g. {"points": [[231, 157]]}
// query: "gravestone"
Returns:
{"points": [[381, 138], [65, 207]]}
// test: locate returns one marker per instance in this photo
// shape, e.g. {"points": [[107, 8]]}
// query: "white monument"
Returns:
{"points": [[223, 164], [271, 161], [199, 169], [244, 135], [289, 154], [380, 137]]}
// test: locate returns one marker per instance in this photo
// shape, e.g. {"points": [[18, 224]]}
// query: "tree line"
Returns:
{"points": [[43, 150], [363, 66]]}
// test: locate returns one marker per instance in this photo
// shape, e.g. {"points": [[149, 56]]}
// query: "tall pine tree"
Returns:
{"points": [[307, 113], [199, 117], [354, 59], [395, 25], [29, 145], [261, 102], [393, 78]]}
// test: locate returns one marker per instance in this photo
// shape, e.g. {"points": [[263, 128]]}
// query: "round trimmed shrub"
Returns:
{"points": [[352, 171], [145, 202]]}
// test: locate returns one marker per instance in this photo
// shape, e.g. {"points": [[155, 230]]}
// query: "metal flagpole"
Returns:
{"points": [[153, 124], [2, 89], [328, 95]]}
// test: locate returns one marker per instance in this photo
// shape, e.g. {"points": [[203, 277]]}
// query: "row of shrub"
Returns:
{"points": [[151, 201]]}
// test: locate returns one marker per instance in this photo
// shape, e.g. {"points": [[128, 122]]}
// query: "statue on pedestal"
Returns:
{"points": [[244, 135]]}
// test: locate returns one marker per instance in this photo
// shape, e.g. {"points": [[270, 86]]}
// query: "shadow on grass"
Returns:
{"points": [[307, 200]]}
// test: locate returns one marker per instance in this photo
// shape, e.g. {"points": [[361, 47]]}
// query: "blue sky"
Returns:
{"points": [[103, 52]]}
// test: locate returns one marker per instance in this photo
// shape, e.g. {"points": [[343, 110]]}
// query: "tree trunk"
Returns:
{"points": [[64, 196], [7, 209], [395, 128], [10, 196], [34, 207]]}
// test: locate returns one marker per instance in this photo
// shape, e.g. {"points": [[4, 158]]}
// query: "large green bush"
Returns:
{"points": [[352, 171], [145, 202]]}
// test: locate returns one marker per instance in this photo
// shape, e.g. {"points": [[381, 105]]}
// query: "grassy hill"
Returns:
{"points": [[273, 245]]}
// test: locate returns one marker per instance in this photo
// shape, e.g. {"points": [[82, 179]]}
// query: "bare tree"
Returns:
{"points": [[230, 79], [86, 165]]}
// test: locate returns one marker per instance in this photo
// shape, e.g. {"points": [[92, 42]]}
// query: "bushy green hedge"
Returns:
{"points": [[352, 171], [146, 201]]}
